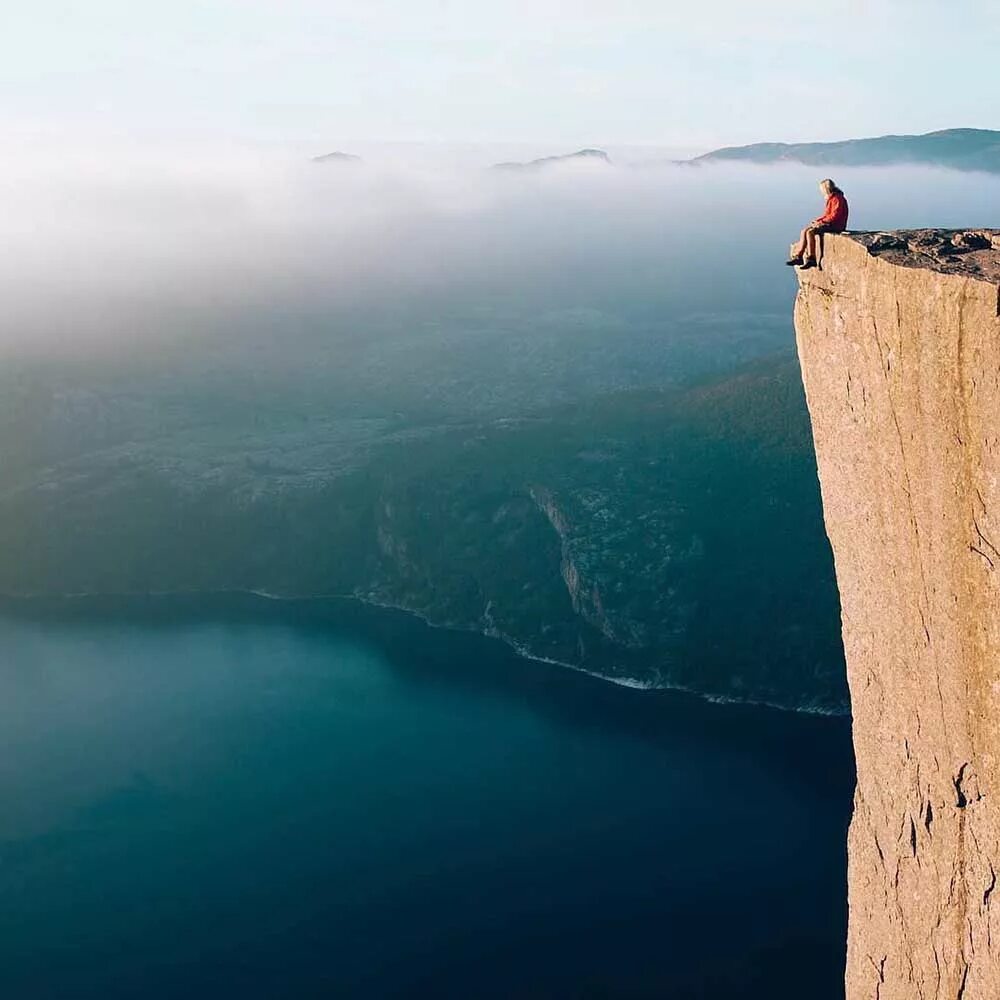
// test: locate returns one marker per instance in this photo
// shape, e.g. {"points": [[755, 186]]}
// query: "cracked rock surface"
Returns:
{"points": [[899, 342]]}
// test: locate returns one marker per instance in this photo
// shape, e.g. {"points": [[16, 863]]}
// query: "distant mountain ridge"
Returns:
{"points": [[588, 155], [337, 157], [956, 148]]}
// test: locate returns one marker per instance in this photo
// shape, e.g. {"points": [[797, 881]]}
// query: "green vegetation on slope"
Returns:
{"points": [[667, 537]]}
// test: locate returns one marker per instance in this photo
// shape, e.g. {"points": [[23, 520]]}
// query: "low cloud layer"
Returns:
{"points": [[123, 247]]}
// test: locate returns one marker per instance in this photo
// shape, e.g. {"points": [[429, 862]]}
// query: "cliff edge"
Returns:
{"points": [[899, 342]]}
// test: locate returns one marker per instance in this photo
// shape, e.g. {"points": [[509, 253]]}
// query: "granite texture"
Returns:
{"points": [[899, 342]]}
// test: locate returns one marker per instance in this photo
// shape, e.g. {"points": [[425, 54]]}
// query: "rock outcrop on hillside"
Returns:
{"points": [[899, 342]]}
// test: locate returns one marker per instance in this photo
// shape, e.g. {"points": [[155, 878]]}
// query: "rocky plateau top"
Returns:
{"points": [[971, 252]]}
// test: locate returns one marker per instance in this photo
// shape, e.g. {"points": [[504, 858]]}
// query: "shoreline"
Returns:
{"points": [[517, 647]]}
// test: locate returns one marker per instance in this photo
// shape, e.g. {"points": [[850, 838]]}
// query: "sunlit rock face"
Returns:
{"points": [[899, 342]]}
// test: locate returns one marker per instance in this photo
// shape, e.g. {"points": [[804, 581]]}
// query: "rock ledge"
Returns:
{"points": [[899, 342]]}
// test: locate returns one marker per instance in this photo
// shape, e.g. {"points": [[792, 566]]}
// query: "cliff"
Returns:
{"points": [[899, 343]]}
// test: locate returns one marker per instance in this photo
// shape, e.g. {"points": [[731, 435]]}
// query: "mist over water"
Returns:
{"points": [[130, 248]]}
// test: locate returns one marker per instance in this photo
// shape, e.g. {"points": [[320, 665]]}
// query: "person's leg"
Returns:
{"points": [[814, 235], [810, 241], [800, 248]]}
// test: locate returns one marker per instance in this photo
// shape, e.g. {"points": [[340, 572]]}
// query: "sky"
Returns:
{"points": [[330, 74]]}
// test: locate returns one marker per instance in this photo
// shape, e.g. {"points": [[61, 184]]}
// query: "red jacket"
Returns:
{"points": [[835, 213]]}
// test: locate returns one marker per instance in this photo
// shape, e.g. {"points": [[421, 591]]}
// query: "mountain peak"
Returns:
{"points": [[337, 157], [584, 155]]}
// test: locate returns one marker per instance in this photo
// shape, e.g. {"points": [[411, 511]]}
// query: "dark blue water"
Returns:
{"points": [[241, 799]]}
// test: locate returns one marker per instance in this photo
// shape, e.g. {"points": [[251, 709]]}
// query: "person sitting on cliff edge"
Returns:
{"points": [[833, 220]]}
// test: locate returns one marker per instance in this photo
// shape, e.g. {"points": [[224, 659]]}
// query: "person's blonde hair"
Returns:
{"points": [[828, 186]]}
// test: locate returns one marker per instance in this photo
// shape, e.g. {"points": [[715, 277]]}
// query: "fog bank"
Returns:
{"points": [[124, 247]]}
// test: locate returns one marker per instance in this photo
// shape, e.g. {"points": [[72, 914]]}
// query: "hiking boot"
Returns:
{"points": [[807, 263], [793, 261]]}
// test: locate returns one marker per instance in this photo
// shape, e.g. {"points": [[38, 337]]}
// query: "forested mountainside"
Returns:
{"points": [[662, 536], [956, 148]]}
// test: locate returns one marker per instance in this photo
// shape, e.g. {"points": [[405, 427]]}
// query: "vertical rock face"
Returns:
{"points": [[899, 342]]}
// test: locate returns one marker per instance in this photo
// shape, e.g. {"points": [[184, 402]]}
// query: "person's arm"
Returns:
{"points": [[830, 212]]}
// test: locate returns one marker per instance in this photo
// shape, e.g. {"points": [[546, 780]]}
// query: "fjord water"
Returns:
{"points": [[231, 797]]}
